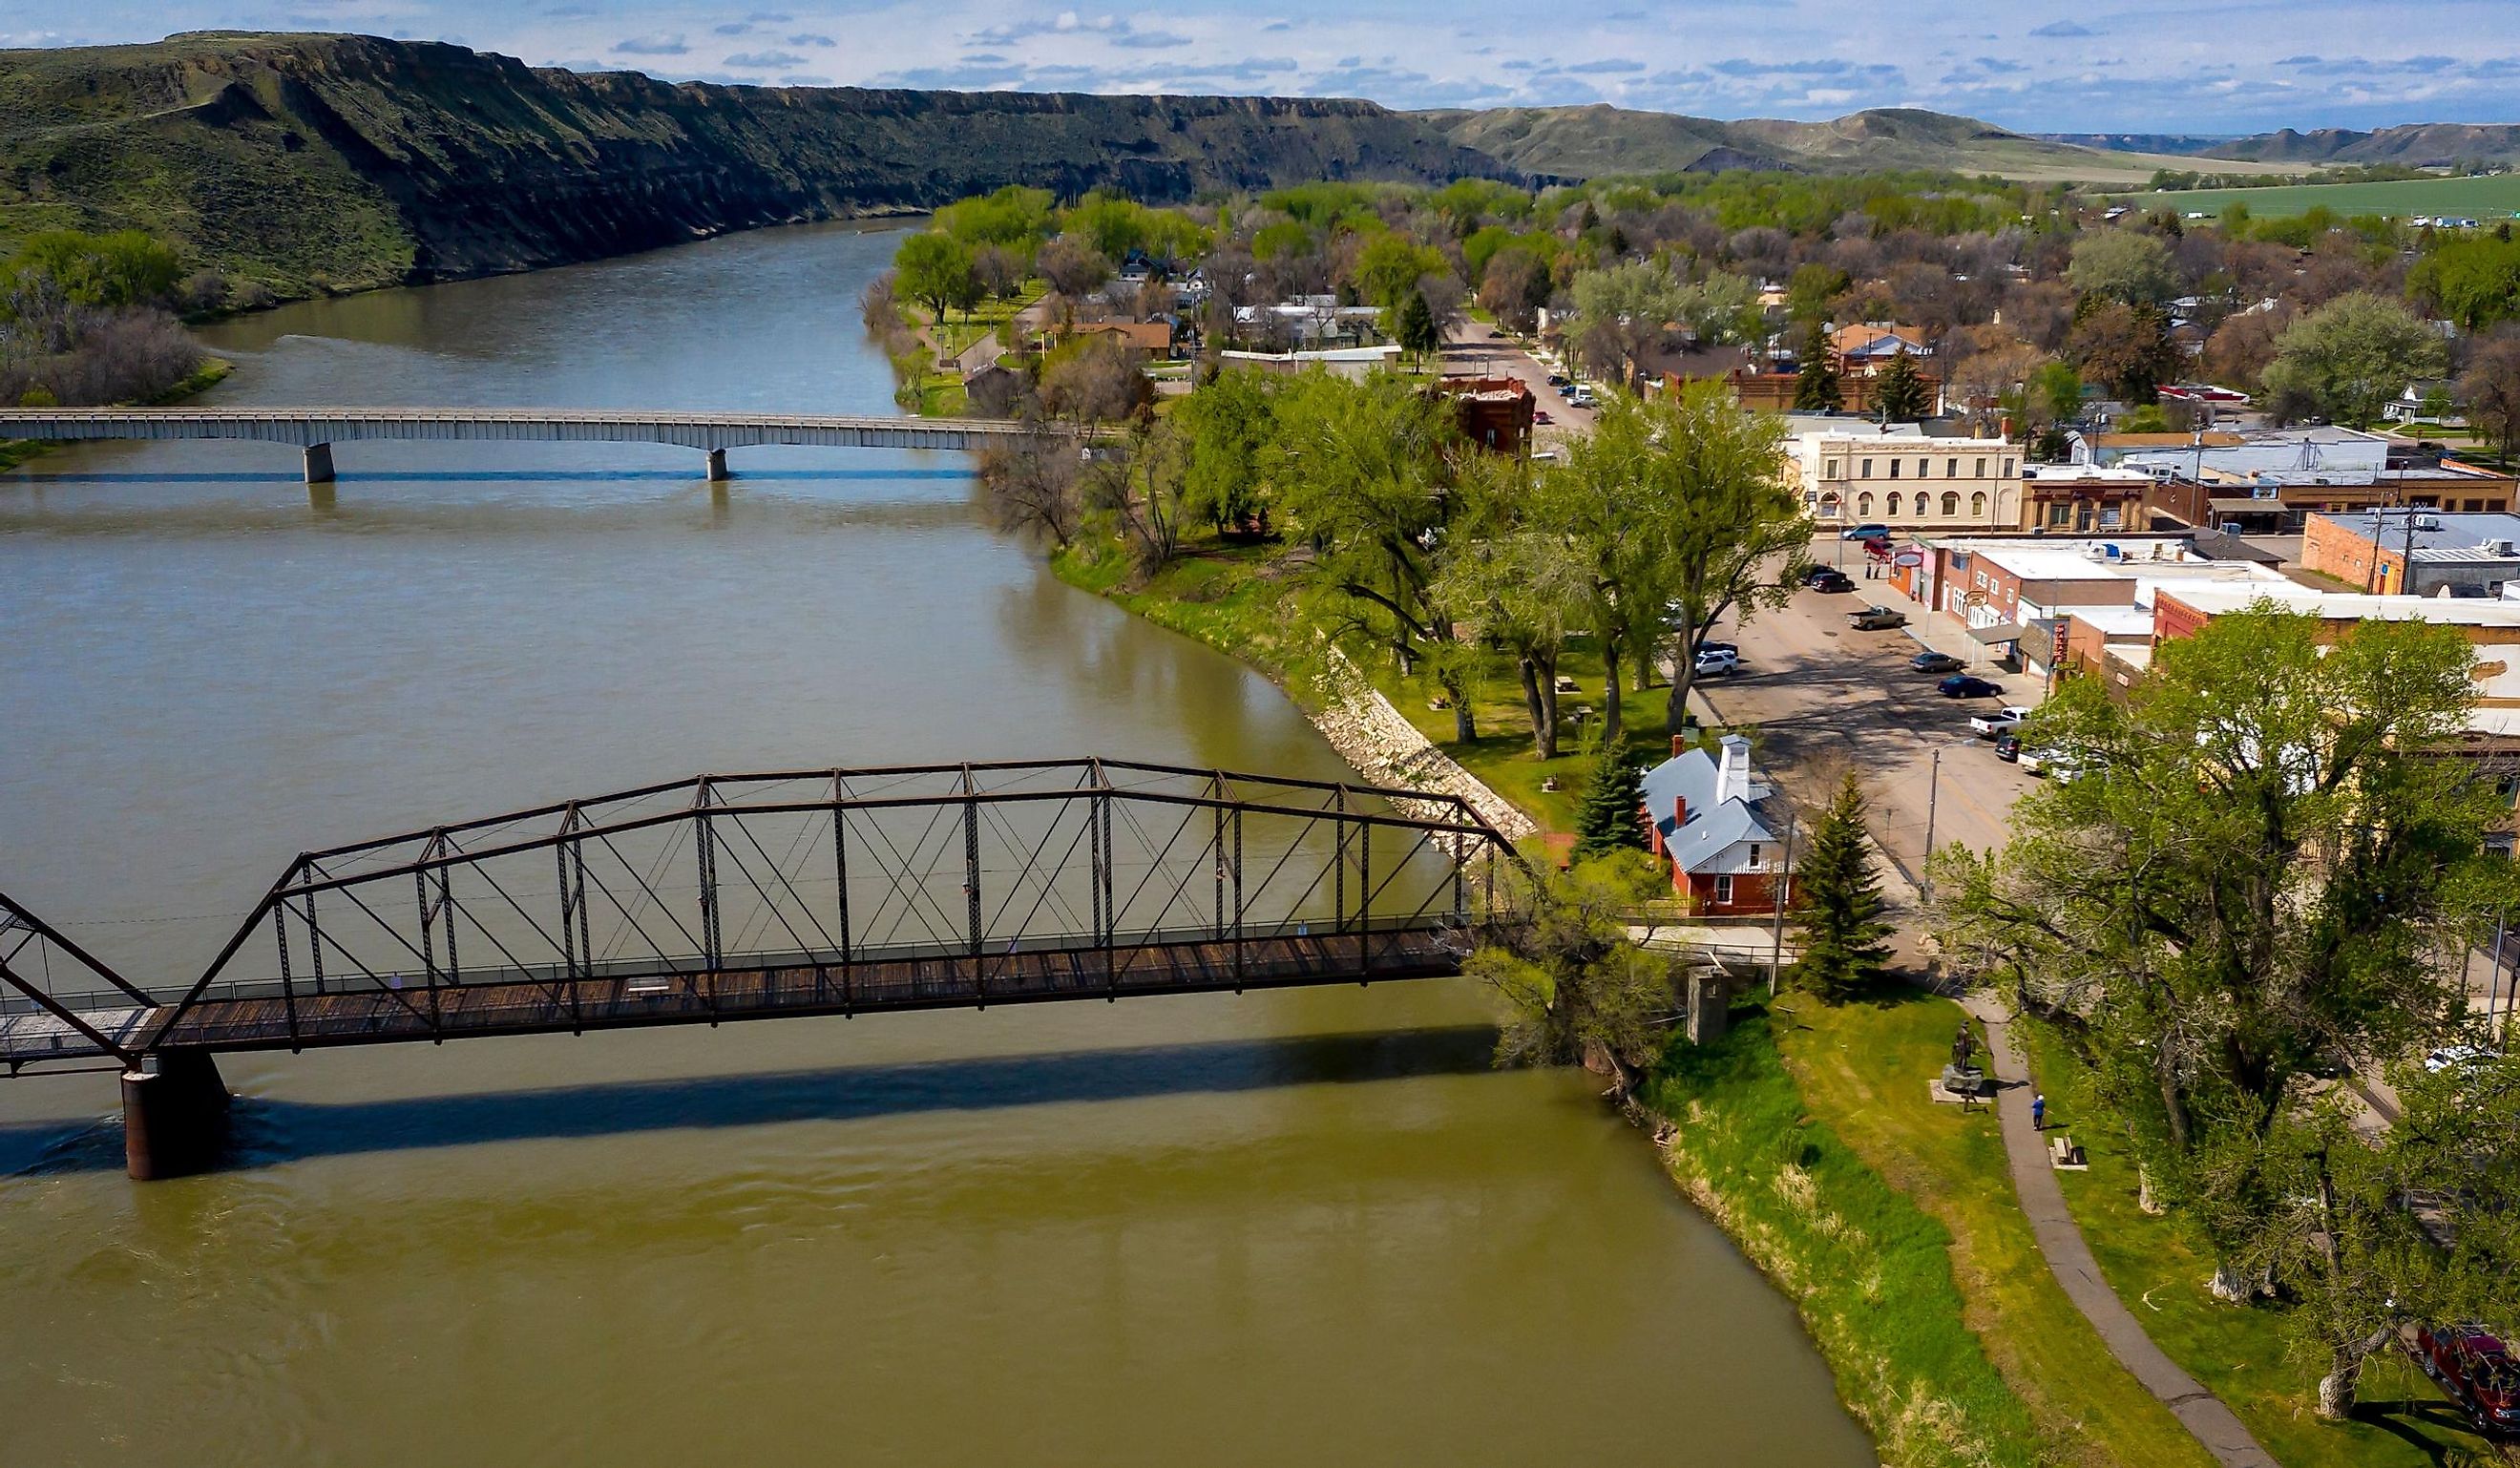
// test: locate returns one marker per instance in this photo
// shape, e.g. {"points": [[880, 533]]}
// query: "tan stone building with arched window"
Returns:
{"points": [[1859, 474]]}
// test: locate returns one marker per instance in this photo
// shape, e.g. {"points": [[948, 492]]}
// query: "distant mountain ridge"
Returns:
{"points": [[2419, 145], [1597, 140], [316, 163], [2173, 144]]}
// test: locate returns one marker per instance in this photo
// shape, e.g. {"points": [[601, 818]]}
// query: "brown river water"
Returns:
{"points": [[1297, 1227]]}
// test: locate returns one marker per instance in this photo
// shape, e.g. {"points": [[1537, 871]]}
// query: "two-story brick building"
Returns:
{"points": [[2452, 555]]}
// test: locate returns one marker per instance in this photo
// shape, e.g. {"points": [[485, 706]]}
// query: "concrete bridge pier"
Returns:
{"points": [[717, 473], [319, 463], [174, 1115]]}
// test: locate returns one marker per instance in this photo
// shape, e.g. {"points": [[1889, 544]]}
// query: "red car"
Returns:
{"points": [[1541, 417], [2476, 1369]]}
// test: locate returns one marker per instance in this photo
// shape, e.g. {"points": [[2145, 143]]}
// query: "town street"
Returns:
{"points": [[1478, 349], [1818, 697]]}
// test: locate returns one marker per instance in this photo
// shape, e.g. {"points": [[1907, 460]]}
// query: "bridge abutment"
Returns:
{"points": [[717, 473], [319, 463], [174, 1116]]}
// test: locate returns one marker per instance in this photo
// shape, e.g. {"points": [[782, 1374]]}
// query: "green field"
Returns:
{"points": [[2483, 199]]}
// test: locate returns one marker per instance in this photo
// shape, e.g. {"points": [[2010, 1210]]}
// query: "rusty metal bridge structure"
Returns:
{"points": [[739, 897]]}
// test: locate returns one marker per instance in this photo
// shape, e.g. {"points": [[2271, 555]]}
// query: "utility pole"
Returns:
{"points": [[1777, 935], [1933, 790]]}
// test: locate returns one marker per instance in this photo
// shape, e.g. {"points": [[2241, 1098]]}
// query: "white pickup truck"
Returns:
{"points": [[1988, 726]]}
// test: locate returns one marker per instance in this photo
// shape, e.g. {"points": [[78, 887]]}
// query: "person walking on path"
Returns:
{"points": [[2038, 1111]]}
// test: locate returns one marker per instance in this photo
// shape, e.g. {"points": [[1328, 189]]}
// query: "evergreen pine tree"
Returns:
{"points": [[1816, 386], [1417, 331], [1612, 795], [1900, 392], [1838, 919]]}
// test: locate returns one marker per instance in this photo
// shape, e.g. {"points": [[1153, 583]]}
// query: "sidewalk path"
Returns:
{"points": [[2060, 1240]]}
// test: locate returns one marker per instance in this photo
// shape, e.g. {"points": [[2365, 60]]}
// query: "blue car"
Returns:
{"points": [[1964, 685]]}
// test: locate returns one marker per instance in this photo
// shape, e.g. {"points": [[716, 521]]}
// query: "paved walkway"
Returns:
{"points": [[2060, 1240]]}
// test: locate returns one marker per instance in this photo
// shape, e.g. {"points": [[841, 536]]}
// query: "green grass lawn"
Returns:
{"points": [[2483, 199], [1863, 1071], [2160, 1266], [1871, 1272]]}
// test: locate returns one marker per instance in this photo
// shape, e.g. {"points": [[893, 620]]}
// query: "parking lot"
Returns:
{"points": [[1825, 698]]}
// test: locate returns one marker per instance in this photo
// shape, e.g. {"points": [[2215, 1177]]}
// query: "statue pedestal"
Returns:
{"points": [[1961, 1084]]}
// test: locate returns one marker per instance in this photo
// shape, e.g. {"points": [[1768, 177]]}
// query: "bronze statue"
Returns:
{"points": [[1962, 1046]]}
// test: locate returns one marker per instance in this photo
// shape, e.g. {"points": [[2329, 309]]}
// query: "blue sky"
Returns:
{"points": [[2037, 64]]}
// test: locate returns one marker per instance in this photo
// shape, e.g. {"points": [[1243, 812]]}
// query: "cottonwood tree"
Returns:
{"points": [[1591, 501], [1512, 585], [2266, 869], [1229, 421], [1364, 471], [1032, 481], [2123, 265], [1725, 534], [1623, 309], [935, 270], [1073, 267], [2351, 355], [1580, 984]]}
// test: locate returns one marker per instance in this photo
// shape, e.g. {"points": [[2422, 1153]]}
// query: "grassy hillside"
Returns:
{"points": [[2486, 199], [318, 163], [1600, 139]]}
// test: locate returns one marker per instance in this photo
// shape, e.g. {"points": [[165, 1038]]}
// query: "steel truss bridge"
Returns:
{"points": [[314, 430], [736, 897]]}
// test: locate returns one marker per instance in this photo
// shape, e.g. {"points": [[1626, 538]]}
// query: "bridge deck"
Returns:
{"points": [[378, 1015], [308, 426]]}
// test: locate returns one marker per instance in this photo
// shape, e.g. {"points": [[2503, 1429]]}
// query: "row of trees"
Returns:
{"points": [[1669, 518]]}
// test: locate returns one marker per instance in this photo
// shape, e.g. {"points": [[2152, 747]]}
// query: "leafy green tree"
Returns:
{"points": [[1388, 270], [1578, 982], [1280, 240], [1901, 394], [1363, 471], [1625, 308], [1811, 289], [1015, 218], [2128, 347], [2058, 388], [1839, 924], [1722, 310], [1725, 532], [2266, 868], [1116, 226], [2475, 281], [124, 268], [2123, 265], [1614, 792], [1591, 501], [2351, 355], [936, 270], [1816, 381], [1229, 421]]}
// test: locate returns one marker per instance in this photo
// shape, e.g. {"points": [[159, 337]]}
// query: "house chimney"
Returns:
{"points": [[1679, 812], [1679, 746], [1732, 776]]}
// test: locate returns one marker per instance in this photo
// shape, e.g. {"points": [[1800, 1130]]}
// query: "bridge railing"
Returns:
{"points": [[841, 868]]}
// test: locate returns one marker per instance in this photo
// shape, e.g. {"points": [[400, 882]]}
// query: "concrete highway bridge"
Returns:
{"points": [[315, 430], [756, 896]]}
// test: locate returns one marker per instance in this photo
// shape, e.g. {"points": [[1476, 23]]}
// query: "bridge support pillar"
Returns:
{"points": [[174, 1116], [319, 463], [717, 473]]}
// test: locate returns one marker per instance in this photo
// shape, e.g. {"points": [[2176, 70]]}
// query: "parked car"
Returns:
{"points": [[1559, 379], [2047, 762], [2007, 747], [1865, 532], [2476, 1369], [2460, 1057], [2004, 719], [1963, 686], [1830, 580], [1935, 662], [1540, 417], [1714, 664], [1877, 619], [1729, 649]]}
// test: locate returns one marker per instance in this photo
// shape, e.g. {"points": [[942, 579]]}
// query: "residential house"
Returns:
{"points": [[1150, 340], [1903, 476], [2417, 404], [1716, 823]]}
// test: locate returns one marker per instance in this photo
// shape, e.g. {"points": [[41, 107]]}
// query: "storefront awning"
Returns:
{"points": [[2000, 632]]}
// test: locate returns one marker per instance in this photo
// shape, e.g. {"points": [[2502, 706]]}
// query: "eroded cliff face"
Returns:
{"points": [[318, 162]]}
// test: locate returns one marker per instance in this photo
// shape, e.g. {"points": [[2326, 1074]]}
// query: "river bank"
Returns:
{"points": [[1751, 1143], [213, 371]]}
